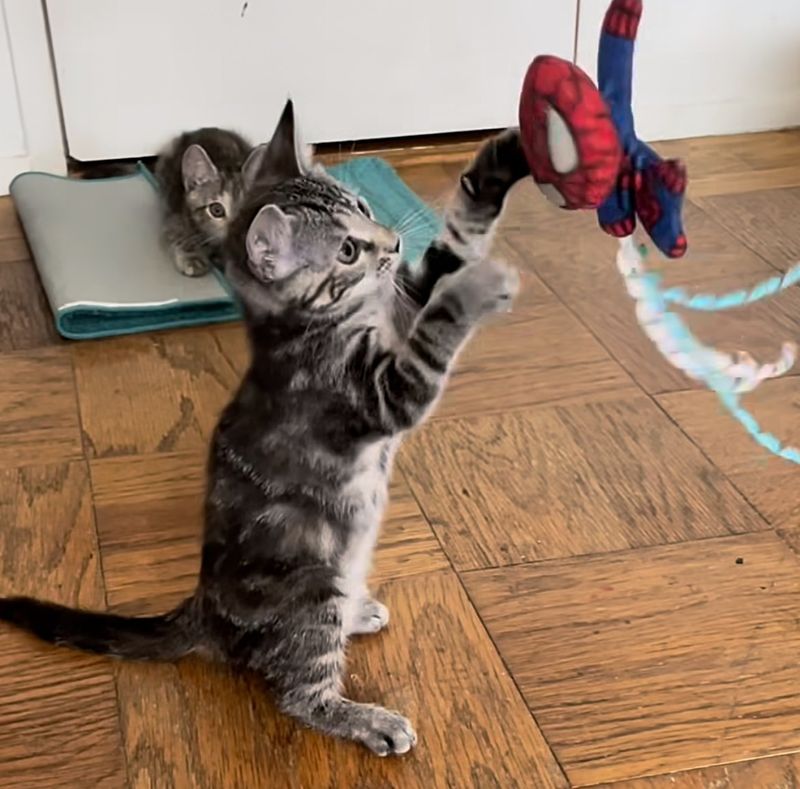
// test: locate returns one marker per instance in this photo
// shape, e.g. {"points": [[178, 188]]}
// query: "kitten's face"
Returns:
{"points": [[212, 206], [211, 196], [308, 243]]}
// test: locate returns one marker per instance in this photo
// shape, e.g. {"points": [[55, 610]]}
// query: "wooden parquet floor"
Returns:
{"points": [[594, 577]]}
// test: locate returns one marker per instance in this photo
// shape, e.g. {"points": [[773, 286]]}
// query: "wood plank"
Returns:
{"points": [[778, 772], [711, 156], [153, 392], [431, 181], [767, 481], [577, 260], [149, 520], [584, 276], [25, 317], [745, 183], [58, 707], [232, 338], [765, 221], [435, 663], [407, 545], [738, 164], [759, 329], [654, 661], [567, 481], [39, 420], [543, 356], [13, 246]]}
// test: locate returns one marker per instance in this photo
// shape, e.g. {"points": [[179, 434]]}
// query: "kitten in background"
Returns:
{"points": [[202, 177]]}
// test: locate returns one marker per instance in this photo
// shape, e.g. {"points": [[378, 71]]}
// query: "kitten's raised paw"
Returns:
{"points": [[487, 286], [192, 265], [387, 733], [497, 166], [371, 618]]}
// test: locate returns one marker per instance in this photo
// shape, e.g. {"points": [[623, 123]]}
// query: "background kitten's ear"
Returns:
{"points": [[197, 168], [269, 244], [283, 156], [253, 164]]}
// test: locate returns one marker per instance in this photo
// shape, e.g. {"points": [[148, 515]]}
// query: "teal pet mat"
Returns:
{"points": [[96, 246]]}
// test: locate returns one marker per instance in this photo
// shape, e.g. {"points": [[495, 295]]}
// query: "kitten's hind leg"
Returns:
{"points": [[306, 672]]}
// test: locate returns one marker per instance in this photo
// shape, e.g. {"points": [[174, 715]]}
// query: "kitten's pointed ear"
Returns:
{"points": [[197, 168], [269, 245], [253, 164], [282, 158]]}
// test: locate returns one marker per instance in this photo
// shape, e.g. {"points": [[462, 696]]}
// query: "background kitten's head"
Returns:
{"points": [[213, 190], [305, 243]]}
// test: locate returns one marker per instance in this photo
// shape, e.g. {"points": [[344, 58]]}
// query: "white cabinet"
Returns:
{"points": [[133, 72], [708, 66], [30, 130], [12, 139]]}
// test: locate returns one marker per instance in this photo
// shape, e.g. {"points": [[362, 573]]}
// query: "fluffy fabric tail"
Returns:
{"points": [[164, 637]]}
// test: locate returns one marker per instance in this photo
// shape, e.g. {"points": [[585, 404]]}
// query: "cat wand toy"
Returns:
{"points": [[583, 152]]}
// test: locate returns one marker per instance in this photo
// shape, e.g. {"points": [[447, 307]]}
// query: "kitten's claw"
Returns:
{"points": [[372, 617], [387, 733], [192, 265]]}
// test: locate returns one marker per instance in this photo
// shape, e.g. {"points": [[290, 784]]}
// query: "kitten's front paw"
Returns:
{"points": [[487, 287], [192, 265]]}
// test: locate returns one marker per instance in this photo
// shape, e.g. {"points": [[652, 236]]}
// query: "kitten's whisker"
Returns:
{"points": [[410, 218]]}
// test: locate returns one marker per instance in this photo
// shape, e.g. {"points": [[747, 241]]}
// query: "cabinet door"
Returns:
{"points": [[12, 139], [30, 129], [708, 66], [133, 72]]}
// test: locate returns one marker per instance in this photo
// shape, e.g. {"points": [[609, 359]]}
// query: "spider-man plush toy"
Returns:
{"points": [[581, 143]]}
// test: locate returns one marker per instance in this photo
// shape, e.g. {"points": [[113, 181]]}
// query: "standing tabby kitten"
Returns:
{"points": [[300, 461], [201, 175]]}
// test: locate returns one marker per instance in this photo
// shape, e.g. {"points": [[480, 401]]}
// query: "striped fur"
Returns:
{"points": [[300, 461]]}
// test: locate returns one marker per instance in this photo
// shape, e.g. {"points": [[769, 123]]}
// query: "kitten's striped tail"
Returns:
{"points": [[165, 637]]}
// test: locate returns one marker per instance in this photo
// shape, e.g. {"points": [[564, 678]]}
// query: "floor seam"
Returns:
{"points": [[486, 630], [647, 394], [101, 564]]}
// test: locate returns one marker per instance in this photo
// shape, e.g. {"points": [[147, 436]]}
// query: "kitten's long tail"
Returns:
{"points": [[167, 637]]}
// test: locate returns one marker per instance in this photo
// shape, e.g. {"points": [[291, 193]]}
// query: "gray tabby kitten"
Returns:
{"points": [[300, 461], [202, 177]]}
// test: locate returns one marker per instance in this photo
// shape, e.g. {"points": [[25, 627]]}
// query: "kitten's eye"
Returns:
{"points": [[217, 210], [364, 208], [348, 252]]}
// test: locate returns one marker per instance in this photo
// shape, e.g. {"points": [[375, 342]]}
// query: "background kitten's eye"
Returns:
{"points": [[364, 208], [348, 252], [217, 210]]}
